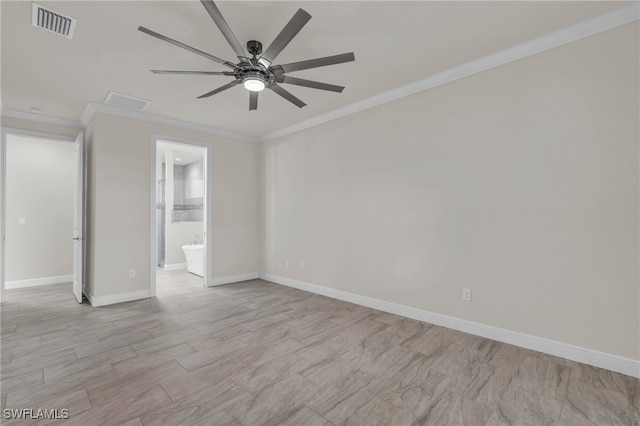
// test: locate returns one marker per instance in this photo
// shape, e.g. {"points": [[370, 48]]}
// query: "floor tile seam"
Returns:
{"points": [[25, 374], [286, 377], [86, 392], [166, 393], [42, 355], [318, 414], [126, 330], [564, 406], [602, 388], [35, 334], [539, 394], [65, 391]]}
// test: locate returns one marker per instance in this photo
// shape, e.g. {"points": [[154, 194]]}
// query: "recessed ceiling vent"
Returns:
{"points": [[50, 20], [126, 101]]}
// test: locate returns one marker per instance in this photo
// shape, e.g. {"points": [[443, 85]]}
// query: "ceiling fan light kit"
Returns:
{"points": [[254, 84], [257, 73]]}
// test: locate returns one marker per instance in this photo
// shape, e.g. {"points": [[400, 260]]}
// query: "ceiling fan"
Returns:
{"points": [[258, 72]]}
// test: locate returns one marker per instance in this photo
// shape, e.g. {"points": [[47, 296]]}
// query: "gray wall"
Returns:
{"points": [[178, 184], [40, 178], [520, 182], [193, 175]]}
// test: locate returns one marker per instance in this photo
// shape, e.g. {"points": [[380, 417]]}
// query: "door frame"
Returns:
{"points": [[153, 246], [5, 132]]}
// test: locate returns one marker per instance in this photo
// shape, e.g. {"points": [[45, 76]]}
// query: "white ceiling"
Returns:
{"points": [[395, 43]]}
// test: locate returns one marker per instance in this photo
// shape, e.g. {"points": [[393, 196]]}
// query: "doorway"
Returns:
{"points": [[39, 175], [179, 214]]}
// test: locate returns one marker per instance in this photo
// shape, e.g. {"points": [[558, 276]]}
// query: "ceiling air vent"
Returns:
{"points": [[126, 101], [50, 20]]}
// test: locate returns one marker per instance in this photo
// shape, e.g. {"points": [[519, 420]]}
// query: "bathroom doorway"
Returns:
{"points": [[179, 215]]}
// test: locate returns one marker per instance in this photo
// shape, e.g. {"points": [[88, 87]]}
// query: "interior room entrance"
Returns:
{"points": [[180, 214], [41, 211]]}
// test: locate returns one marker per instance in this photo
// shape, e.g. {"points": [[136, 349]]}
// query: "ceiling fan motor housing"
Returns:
{"points": [[254, 47]]}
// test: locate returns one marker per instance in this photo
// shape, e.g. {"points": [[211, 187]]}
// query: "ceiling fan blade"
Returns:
{"points": [[287, 95], [220, 89], [224, 27], [253, 100], [318, 62], [309, 83], [286, 35], [184, 46], [193, 72]]}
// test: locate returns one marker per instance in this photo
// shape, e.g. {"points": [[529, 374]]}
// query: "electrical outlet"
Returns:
{"points": [[301, 265], [466, 294], [132, 273]]}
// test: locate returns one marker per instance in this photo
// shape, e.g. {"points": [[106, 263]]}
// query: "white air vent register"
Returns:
{"points": [[126, 101]]}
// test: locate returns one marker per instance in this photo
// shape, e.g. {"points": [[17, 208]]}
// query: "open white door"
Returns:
{"points": [[3, 154], [78, 230]]}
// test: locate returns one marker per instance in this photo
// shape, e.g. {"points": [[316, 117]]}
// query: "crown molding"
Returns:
{"points": [[93, 108], [569, 34], [12, 113]]}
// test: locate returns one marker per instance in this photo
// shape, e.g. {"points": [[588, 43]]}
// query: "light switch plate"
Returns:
{"points": [[22, 221]]}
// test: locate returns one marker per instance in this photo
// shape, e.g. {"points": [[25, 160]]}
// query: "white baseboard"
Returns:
{"points": [[8, 285], [233, 279], [174, 266], [611, 362], [114, 298]]}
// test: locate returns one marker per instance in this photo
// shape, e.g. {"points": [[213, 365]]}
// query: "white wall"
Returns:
{"points": [[39, 188], [119, 181], [520, 183]]}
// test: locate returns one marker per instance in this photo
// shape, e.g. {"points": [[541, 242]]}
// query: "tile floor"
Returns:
{"points": [[257, 353]]}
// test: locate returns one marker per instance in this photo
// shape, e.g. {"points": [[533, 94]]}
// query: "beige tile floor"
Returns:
{"points": [[257, 353]]}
